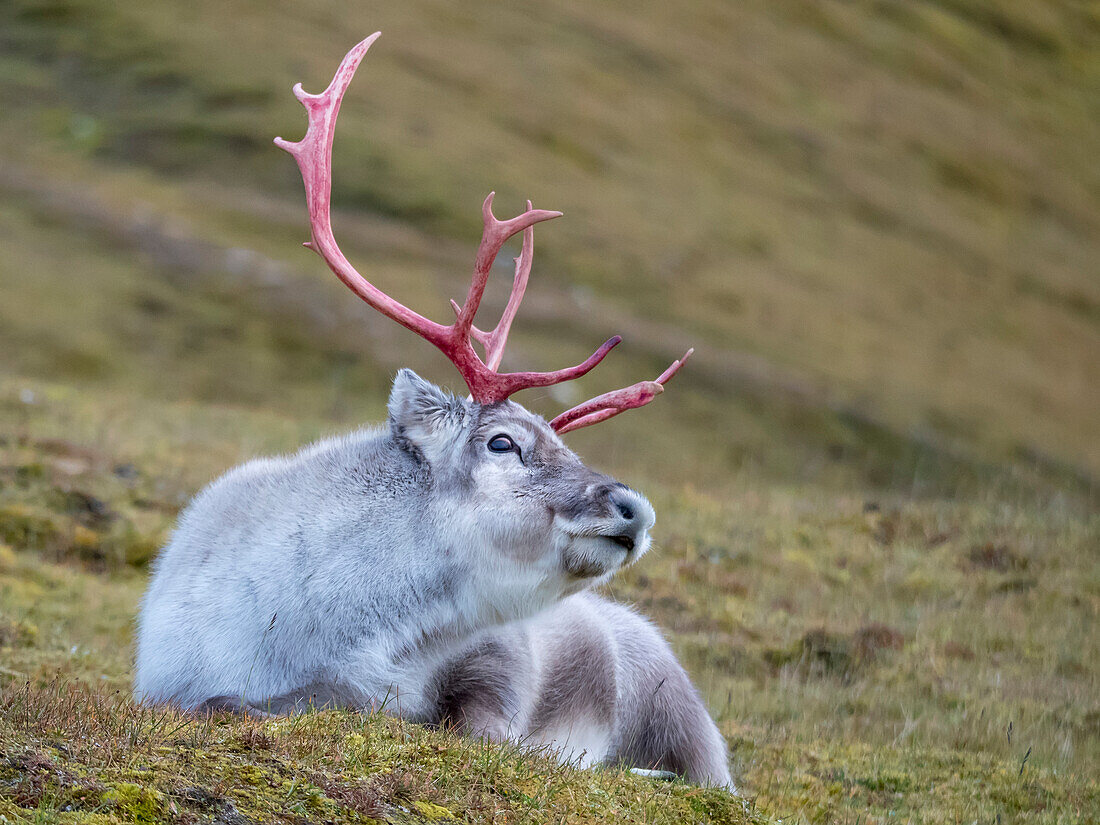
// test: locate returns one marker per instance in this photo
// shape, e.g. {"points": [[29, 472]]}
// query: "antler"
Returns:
{"points": [[610, 404], [314, 157], [494, 341]]}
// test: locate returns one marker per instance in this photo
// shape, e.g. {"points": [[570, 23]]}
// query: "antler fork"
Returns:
{"points": [[314, 157]]}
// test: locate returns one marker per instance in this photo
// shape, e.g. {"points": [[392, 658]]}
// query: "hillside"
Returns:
{"points": [[878, 223]]}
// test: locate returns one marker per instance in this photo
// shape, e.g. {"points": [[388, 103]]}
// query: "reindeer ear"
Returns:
{"points": [[423, 414]]}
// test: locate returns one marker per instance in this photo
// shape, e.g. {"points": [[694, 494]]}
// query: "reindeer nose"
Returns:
{"points": [[623, 506], [632, 507]]}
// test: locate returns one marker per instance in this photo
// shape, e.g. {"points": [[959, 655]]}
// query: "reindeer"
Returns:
{"points": [[439, 567]]}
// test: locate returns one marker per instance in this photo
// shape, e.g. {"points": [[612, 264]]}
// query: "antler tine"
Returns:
{"points": [[495, 341], [313, 154], [493, 236], [610, 404], [516, 381], [498, 338]]}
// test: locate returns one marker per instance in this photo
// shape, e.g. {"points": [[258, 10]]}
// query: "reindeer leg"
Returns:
{"points": [[481, 691], [314, 696], [231, 704]]}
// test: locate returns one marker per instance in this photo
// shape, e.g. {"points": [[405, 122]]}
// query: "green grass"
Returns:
{"points": [[876, 482]]}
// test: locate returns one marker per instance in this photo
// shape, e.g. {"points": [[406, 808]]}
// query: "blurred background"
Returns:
{"points": [[877, 222]]}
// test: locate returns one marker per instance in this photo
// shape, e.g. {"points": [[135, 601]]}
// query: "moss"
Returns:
{"points": [[433, 813], [136, 803], [248, 775], [138, 549], [166, 765], [27, 527], [717, 807]]}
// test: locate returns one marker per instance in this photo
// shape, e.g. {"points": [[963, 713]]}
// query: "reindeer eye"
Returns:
{"points": [[502, 444]]}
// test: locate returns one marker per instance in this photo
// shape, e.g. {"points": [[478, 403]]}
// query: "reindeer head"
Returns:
{"points": [[505, 474], [511, 496]]}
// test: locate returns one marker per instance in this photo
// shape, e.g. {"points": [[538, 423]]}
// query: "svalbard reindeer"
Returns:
{"points": [[439, 566]]}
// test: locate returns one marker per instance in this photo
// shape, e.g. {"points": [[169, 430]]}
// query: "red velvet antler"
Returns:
{"points": [[314, 157], [610, 404]]}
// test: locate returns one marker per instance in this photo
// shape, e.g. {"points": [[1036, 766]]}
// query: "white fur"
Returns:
{"points": [[367, 563]]}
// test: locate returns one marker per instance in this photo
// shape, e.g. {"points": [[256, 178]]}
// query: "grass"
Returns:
{"points": [[138, 765], [960, 681], [876, 482], [894, 202]]}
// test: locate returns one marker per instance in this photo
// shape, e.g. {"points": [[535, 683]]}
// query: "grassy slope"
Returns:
{"points": [[925, 659], [878, 222], [893, 201]]}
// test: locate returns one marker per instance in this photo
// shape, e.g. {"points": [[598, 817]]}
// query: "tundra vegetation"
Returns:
{"points": [[876, 548]]}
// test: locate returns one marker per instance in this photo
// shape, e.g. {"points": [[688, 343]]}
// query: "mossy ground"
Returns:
{"points": [[959, 686], [876, 483], [74, 755]]}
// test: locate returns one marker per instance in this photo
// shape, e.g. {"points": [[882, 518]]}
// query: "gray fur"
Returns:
{"points": [[410, 568], [597, 682]]}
